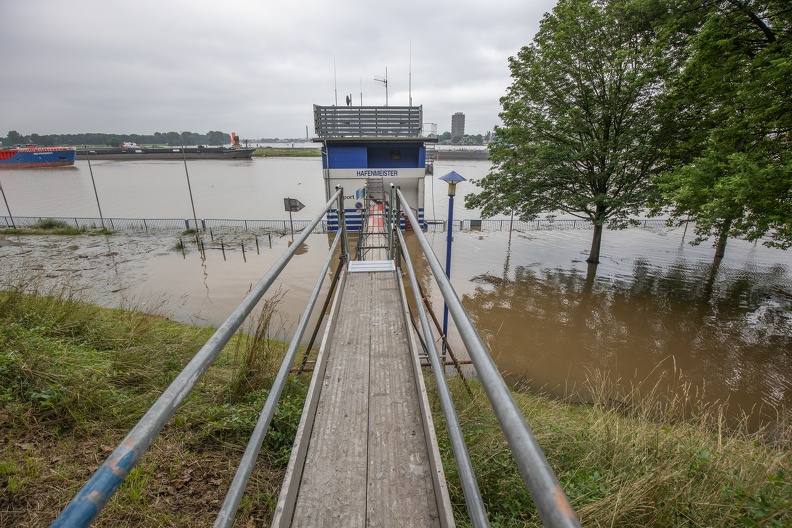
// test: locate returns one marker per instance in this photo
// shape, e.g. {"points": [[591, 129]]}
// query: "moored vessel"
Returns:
{"points": [[32, 157], [131, 152]]}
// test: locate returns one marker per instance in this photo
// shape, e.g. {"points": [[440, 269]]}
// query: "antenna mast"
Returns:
{"points": [[385, 82], [335, 81], [409, 78]]}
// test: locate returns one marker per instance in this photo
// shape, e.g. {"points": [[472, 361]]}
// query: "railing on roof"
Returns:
{"points": [[368, 121]]}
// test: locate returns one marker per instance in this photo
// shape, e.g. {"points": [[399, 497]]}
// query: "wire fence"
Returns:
{"points": [[148, 225], [534, 225], [283, 226]]}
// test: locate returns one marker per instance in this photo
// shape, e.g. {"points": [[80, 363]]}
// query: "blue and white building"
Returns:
{"points": [[367, 148]]}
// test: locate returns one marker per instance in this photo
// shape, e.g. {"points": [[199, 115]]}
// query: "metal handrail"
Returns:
{"points": [[95, 494], [548, 496], [467, 477], [225, 517]]}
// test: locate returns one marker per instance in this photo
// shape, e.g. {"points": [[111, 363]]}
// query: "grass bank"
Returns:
{"points": [[74, 378], [641, 460]]}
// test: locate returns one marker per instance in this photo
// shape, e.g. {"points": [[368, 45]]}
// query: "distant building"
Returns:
{"points": [[457, 125]]}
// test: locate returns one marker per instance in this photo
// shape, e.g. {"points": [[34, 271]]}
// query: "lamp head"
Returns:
{"points": [[452, 178]]}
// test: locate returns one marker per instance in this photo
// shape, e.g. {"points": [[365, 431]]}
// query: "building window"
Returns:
{"points": [[395, 155]]}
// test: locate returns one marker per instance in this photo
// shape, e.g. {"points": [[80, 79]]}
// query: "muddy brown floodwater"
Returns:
{"points": [[654, 312]]}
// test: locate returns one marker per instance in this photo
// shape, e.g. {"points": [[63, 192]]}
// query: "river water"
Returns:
{"points": [[654, 312]]}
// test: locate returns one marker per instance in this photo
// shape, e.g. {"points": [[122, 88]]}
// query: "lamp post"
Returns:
{"points": [[452, 178]]}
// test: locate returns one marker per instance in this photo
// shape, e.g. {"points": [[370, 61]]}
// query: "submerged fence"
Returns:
{"points": [[162, 224], [280, 226]]}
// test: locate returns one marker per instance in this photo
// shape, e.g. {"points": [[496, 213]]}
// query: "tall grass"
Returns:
{"points": [[74, 378], [639, 458]]}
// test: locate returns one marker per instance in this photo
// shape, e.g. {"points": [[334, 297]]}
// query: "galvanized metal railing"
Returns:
{"points": [[467, 477], [95, 494], [548, 496]]}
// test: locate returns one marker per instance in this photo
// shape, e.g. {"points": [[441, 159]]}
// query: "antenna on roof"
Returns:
{"points": [[335, 81], [385, 82], [409, 78]]}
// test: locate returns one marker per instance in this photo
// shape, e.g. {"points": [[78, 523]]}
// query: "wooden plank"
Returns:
{"points": [[400, 487], [443, 500], [333, 487], [291, 480], [367, 463]]}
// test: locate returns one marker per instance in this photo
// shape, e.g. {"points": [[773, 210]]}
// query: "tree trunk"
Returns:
{"points": [[723, 237], [591, 275], [596, 241]]}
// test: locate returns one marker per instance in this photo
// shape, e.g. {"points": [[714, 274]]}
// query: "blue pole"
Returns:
{"points": [[449, 239]]}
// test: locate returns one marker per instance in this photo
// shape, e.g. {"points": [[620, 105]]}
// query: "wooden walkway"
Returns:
{"points": [[372, 458]]}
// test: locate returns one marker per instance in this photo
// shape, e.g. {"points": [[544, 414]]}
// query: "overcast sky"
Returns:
{"points": [[250, 66]]}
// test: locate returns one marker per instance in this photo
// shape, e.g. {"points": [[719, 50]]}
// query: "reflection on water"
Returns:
{"points": [[728, 329]]}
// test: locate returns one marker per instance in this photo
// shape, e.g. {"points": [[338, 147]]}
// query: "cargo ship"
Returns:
{"points": [[32, 157]]}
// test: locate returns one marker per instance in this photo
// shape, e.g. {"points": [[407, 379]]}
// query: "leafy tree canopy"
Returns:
{"points": [[582, 127], [733, 101]]}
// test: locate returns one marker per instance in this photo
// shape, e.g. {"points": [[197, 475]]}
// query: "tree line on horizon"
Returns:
{"points": [[172, 139], [675, 107], [213, 138]]}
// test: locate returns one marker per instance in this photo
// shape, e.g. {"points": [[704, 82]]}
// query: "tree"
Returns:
{"points": [[173, 139], [581, 130], [14, 138], [733, 97], [214, 137]]}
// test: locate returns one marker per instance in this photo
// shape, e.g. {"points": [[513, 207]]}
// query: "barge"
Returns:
{"points": [[137, 152]]}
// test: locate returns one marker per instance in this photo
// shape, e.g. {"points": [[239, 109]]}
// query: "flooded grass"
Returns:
{"points": [[647, 463]]}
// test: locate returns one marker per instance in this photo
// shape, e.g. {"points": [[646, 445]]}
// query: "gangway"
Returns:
{"points": [[365, 452]]}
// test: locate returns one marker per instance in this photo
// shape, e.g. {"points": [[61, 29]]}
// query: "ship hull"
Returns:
{"points": [[37, 157], [153, 153]]}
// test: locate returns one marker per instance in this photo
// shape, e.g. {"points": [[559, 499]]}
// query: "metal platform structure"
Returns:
{"points": [[365, 453]]}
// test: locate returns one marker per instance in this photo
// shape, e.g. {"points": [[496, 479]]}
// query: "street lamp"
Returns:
{"points": [[452, 178]]}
